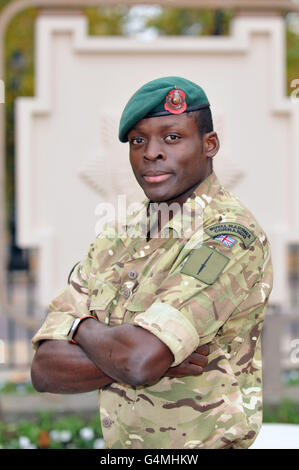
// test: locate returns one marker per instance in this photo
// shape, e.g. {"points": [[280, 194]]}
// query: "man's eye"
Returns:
{"points": [[172, 138], [136, 141]]}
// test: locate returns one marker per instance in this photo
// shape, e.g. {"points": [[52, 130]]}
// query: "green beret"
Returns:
{"points": [[161, 97]]}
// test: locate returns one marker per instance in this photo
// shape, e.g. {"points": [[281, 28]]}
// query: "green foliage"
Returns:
{"points": [[76, 432], [65, 432], [292, 43], [107, 20], [3, 3], [46, 431], [16, 388], [181, 21], [19, 81], [285, 412], [292, 382]]}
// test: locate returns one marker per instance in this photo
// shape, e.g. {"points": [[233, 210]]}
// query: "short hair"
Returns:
{"points": [[204, 120]]}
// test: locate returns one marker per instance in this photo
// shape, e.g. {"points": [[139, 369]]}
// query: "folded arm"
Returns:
{"points": [[133, 356], [126, 352], [102, 355]]}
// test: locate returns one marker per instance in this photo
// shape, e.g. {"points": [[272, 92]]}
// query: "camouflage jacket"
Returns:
{"points": [[208, 283]]}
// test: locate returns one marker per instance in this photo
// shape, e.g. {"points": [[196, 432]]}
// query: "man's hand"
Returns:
{"points": [[192, 365]]}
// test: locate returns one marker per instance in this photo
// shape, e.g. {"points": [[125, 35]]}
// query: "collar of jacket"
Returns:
{"points": [[183, 224]]}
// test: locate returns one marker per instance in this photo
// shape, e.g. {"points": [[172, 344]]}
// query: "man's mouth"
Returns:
{"points": [[156, 177]]}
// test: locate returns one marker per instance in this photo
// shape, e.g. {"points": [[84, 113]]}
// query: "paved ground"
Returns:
{"points": [[277, 436]]}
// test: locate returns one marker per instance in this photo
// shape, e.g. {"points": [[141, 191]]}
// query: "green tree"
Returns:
{"points": [[292, 46], [182, 21], [19, 81], [107, 20]]}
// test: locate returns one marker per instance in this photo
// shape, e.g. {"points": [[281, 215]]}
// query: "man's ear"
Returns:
{"points": [[211, 144]]}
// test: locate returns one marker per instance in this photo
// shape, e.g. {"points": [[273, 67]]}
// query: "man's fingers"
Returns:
{"points": [[183, 370], [204, 350], [198, 359], [192, 365], [191, 370]]}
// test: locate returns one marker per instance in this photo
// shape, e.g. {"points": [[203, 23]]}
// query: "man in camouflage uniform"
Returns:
{"points": [[149, 294]]}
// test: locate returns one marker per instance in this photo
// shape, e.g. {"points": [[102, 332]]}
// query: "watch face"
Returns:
{"points": [[75, 325]]}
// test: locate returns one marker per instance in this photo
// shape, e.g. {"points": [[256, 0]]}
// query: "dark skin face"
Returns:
{"points": [[169, 158]]}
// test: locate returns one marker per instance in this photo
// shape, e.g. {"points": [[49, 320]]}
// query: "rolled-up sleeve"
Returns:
{"points": [[171, 327], [193, 303]]}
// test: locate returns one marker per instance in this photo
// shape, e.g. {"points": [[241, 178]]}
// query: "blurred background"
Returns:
{"points": [[67, 71]]}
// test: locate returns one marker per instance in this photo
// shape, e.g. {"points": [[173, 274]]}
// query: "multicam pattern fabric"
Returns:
{"points": [[125, 279]]}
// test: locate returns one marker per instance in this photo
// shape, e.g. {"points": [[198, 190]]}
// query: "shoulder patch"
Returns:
{"points": [[205, 264], [232, 228]]}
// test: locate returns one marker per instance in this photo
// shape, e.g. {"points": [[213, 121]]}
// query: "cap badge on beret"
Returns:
{"points": [[176, 101]]}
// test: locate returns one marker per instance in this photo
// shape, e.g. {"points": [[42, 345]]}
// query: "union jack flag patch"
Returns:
{"points": [[226, 240]]}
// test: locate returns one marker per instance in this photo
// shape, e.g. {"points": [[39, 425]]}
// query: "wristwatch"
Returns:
{"points": [[74, 327]]}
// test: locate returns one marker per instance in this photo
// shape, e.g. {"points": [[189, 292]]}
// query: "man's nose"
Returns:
{"points": [[154, 151]]}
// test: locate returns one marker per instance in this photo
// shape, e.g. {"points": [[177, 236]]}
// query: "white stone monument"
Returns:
{"points": [[69, 159]]}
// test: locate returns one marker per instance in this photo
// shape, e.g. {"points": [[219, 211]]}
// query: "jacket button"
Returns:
{"points": [[132, 274], [107, 422], [127, 292]]}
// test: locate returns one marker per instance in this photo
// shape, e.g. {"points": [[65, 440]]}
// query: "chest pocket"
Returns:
{"points": [[143, 298], [101, 298], [136, 304]]}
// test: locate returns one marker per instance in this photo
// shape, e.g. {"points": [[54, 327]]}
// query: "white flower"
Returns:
{"points": [[99, 444], [24, 442], [65, 436], [87, 434], [31, 446]]}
